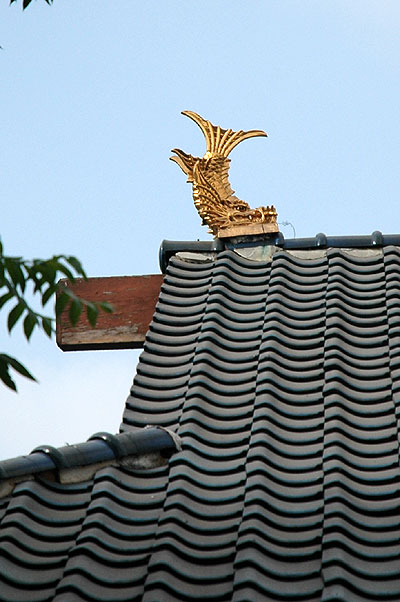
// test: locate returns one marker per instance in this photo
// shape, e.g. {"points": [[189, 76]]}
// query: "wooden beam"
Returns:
{"points": [[133, 298]]}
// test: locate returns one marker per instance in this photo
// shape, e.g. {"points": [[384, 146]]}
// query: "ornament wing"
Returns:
{"points": [[220, 141], [186, 162]]}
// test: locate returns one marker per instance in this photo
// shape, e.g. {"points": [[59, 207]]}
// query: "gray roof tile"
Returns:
{"points": [[283, 380]]}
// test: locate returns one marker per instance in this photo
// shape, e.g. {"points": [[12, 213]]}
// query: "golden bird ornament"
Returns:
{"points": [[224, 213]]}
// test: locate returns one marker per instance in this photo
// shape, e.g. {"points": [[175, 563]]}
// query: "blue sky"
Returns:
{"points": [[91, 94]]}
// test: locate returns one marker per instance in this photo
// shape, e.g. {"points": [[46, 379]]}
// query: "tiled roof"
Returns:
{"points": [[65, 533], [283, 380], [281, 377]]}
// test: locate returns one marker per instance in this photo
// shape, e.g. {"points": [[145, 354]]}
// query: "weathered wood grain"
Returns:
{"points": [[133, 298]]}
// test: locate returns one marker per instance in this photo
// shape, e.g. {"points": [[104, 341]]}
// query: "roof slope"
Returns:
{"points": [[83, 540], [282, 379]]}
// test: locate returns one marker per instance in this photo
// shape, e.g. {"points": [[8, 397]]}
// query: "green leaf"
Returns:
{"points": [[61, 302], [13, 267], [5, 298], [65, 270], [75, 311], [49, 292], [35, 276], [29, 324], [42, 276], [68, 291], [15, 315], [5, 375], [47, 326], [48, 271], [107, 307], [17, 366], [92, 313], [6, 362], [76, 264], [26, 3]]}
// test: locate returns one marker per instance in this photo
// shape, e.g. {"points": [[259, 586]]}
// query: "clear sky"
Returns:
{"points": [[91, 94]]}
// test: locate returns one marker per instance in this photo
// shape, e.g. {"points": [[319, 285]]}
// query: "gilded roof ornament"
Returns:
{"points": [[224, 213]]}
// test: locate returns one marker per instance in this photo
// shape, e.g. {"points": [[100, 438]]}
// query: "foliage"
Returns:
{"points": [[26, 3], [40, 277]]}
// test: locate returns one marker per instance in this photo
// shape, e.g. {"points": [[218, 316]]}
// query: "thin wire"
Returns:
{"points": [[286, 223]]}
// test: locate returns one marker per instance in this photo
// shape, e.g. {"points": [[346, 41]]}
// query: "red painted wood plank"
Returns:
{"points": [[133, 298]]}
